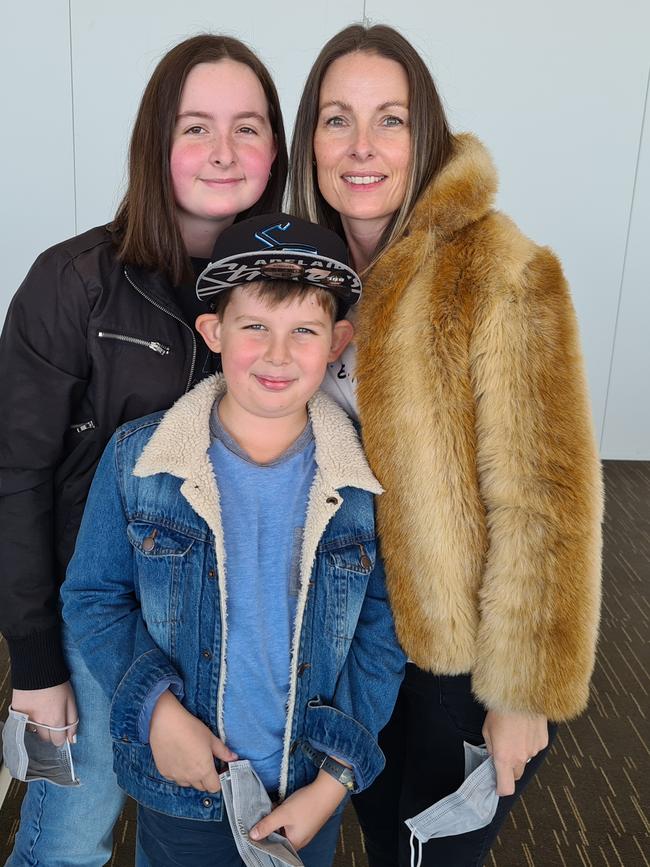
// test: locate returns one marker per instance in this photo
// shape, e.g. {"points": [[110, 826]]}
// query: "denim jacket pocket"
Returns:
{"points": [[348, 570], [161, 556]]}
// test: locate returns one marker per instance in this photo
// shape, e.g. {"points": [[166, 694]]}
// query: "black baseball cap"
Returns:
{"points": [[280, 247]]}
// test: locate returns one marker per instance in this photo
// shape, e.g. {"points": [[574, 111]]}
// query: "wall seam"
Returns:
{"points": [[623, 269], [72, 111]]}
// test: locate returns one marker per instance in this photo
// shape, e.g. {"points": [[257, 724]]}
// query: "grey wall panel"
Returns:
{"points": [[556, 90], [627, 419], [37, 180], [116, 45]]}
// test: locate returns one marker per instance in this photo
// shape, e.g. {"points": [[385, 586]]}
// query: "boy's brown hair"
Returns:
{"points": [[276, 292]]}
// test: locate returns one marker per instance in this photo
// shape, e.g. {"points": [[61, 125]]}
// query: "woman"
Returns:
{"points": [[472, 400], [101, 332]]}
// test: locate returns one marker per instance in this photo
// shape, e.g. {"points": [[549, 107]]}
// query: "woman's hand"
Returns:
{"points": [[512, 740], [54, 706], [304, 813], [184, 748]]}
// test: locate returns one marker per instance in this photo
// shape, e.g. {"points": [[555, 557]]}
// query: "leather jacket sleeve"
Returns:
{"points": [[44, 363]]}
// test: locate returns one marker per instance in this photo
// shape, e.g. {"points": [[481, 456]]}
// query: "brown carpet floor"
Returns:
{"points": [[590, 804]]}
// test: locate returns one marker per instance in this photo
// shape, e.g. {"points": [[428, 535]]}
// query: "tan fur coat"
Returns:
{"points": [[476, 421]]}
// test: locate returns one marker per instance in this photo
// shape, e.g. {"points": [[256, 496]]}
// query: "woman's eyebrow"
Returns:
{"points": [[345, 106], [392, 103], [336, 103]]}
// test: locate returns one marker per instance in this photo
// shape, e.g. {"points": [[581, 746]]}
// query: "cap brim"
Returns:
{"points": [[302, 267]]}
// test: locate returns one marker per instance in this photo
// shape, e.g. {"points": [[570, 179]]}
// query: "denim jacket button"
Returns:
{"points": [[207, 802], [302, 668], [366, 562], [211, 573], [332, 501], [206, 654], [125, 740], [149, 542], [293, 747]]}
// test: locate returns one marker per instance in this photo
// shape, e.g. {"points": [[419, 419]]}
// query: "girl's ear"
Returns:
{"points": [[209, 327]]}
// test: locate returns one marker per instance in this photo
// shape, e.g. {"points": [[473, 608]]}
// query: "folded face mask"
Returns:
{"points": [[247, 801], [28, 756], [471, 806]]}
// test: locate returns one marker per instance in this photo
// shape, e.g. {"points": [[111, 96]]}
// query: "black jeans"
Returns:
{"points": [[425, 761]]}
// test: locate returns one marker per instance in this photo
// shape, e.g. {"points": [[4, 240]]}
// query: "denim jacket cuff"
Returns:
{"points": [[337, 734], [172, 684], [134, 692]]}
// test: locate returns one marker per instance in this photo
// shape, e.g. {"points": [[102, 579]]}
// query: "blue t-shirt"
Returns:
{"points": [[263, 508]]}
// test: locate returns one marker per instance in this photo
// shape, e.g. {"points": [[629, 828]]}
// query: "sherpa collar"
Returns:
{"points": [[180, 442]]}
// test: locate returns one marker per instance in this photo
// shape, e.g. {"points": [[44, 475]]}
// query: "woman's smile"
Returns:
{"points": [[362, 141]]}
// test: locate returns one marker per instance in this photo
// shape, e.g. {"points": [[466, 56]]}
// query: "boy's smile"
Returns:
{"points": [[273, 357], [273, 383]]}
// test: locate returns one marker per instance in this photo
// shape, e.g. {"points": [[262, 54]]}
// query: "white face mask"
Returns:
{"points": [[471, 806], [29, 756], [246, 802]]}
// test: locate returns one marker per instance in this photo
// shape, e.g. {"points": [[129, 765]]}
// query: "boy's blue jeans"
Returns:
{"points": [[172, 842], [73, 827]]}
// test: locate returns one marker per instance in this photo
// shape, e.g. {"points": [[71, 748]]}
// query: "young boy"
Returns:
{"points": [[226, 589]]}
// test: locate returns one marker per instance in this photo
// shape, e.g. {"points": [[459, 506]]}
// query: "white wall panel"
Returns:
{"points": [[116, 45], [556, 90], [627, 420], [37, 180]]}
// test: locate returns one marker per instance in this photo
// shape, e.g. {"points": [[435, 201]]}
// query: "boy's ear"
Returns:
{"points": [[342, 334], [209, 327]]}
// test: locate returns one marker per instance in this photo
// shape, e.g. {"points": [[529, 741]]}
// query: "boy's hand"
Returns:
{"points": [[304, 813], [183, 747]]}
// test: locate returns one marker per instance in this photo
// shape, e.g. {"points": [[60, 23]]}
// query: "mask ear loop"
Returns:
{"points": [[49, 728], [419, 861], [54, 728]]}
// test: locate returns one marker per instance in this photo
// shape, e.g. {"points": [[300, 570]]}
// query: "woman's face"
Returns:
{"points": [[222, 148], [362, 141]]}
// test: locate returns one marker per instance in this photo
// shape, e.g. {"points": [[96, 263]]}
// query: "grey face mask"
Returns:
{"points": [[246, 802], [471, 806], [28, 756]]}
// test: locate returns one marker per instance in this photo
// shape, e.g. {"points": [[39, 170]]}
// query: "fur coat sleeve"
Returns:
{"points": [[476, 421]]}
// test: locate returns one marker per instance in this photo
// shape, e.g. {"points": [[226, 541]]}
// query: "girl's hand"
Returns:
{"points": [[512, 740], [184, 748], [304, 813], [54, 706]]}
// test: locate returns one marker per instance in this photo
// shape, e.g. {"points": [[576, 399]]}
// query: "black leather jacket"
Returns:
{"points": [[88, 343]]}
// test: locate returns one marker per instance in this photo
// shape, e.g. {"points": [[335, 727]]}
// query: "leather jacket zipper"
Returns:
{"points": [[174, 316], [160, 348]]}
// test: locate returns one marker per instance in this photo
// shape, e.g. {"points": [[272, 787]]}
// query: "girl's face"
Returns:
{"points": [[222, 150], [362, 141]]}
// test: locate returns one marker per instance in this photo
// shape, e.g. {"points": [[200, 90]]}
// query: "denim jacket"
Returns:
{"points": [[145, 598]]}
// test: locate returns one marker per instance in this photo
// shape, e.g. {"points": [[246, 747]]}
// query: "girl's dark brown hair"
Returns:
{"points": [[431, 138], [145, 226]]}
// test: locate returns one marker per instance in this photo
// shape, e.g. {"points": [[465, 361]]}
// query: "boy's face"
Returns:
{"points": [[274, 358]]}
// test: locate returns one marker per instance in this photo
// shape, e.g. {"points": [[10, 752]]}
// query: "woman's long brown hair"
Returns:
{"points": [[431, 138]]}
